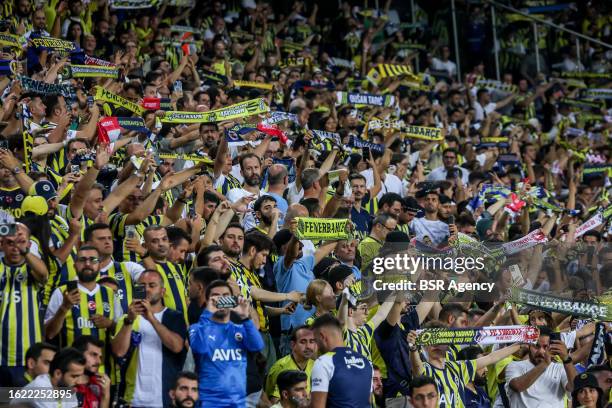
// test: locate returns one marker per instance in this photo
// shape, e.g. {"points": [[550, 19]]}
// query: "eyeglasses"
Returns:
{"points": [[387, 228], [91, 259]]}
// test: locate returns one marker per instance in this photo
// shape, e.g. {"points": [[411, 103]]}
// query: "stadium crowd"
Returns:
{"points": [[194, 195]]}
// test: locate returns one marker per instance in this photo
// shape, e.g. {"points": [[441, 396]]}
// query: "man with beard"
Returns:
{"points": [[537, 381], [93, 388], [232, 241], [377, 387], [451, 377], [185, 391], [220, 348], [124, 273], [303, 350], [87, 309], [250, 169], [449, 170], [152, 336], [267, 215], [157, 248], [475, 392], [430, 225], [424, 392], [209, 135], [363, 210], [65, 370]]}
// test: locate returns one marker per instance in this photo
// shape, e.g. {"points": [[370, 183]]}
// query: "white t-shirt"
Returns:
{"points": [[392, 183], [437, 231], [448, 66], [439, 174], [148, 387], [236, 194], [546, 392], [293, 195], [481, 110]]}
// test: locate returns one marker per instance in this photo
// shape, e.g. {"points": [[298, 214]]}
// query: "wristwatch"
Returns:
{"points": [[17, 170], [127, 321], [568, 360]]}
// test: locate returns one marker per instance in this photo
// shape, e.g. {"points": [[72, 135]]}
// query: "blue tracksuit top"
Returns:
{"points": [[219, 350]]}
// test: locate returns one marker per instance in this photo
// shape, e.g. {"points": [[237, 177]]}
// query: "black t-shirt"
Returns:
{"points": [[393, 347]]}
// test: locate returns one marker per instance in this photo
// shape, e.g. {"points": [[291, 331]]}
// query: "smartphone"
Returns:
{"points": [[192, 212], [71, 285], [178, 87], [75, 169], [516, 275], [130, 231], [4, 144], [590, 252], [555, 336], [366, 153], [227, 302], [451, 219], [90, 101], [139, 292]]}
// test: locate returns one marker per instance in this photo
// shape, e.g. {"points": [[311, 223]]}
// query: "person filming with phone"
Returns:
{"points": [[150, 343], [220, 347]]}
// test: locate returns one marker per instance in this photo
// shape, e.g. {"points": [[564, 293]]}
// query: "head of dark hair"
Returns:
{"points": [[64, 358], [204, 256], [88, 248], [217, 284], [469, 353], [94, 227], [184, 374], [312, 205], [389, 199], [297, 329], [36, 349], [233, 225], [82, 342], [258, 241], [327, 320], [451, 309], [247, 156], [204, 275], [289, 378], [211, 198], [176, 235], [261, 200], [421, 381]]}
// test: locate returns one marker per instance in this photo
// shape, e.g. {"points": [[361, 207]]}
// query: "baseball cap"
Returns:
{"points": [[34, 204], [585, 380], [43, 188]]}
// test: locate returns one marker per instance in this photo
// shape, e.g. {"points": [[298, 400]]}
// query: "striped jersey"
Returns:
{"points": [[175, 296], [20, 317], [247, 279], [451, 381], [117, 222], [360, 340], [124, 273], [100, 301]]}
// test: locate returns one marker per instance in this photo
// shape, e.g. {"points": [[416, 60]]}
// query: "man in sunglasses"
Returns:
{"points": [[86, 308]]}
